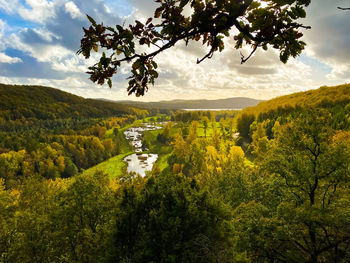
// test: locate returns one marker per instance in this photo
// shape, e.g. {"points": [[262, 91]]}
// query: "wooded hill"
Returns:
{"points": [[18, 101], [51, 134], [230, 103], [324, 97], [333, 100]]}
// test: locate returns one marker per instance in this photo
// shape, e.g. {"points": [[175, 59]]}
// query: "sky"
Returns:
{"points": [[39, 40]]}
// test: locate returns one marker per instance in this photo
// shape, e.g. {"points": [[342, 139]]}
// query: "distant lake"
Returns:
{"points": [[208, 109]]}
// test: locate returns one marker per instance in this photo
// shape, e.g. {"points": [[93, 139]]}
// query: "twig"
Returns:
{"points": [[343, 8], [243, 59]]}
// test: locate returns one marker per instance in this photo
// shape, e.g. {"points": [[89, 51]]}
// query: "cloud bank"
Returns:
{"points": [[39, 40]]}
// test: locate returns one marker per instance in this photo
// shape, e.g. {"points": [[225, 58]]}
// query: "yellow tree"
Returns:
{"points": [[302, 215], [205, 122]]}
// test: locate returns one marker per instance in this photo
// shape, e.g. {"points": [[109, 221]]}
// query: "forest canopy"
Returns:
{"points": [[276, 191], [257, 24]]}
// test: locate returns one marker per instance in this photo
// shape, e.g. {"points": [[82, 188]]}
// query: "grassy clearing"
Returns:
{"points": [[162, 161], [115, 167]]}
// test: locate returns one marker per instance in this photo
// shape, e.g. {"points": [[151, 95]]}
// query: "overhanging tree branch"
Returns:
{"points": [[211, 21]]}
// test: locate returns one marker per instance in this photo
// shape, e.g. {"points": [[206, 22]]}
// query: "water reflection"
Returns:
{"points": [[137, 162], [134, 135], [140, 163]]}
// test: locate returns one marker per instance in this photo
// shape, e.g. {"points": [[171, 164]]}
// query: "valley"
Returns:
{"points": [[247, 180], [174, 131]]}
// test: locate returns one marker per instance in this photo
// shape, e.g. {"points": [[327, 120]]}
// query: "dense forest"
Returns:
{"points": [[267, 184], [44, 103], [52, 133], [334, 101]]}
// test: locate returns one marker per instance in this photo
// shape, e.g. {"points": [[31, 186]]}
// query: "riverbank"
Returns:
{"points": [[117, 166]]}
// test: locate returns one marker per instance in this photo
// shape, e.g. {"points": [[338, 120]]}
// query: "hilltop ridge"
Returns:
{"points": [[17, 101], [323, 97], [229, 103]]}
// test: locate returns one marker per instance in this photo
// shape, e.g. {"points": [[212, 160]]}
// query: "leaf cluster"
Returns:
{"points": [[211, 21]]}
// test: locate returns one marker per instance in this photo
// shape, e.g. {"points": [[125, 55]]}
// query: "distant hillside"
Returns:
{"points": [[333, 101], [19, 101], [231, 103], [324, 97]]}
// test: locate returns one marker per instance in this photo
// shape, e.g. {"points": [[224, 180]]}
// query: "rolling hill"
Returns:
{"points": [[323, 97], [20, 101], [230, 103]]}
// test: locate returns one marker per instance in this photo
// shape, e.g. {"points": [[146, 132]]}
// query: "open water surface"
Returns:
{"points": [[138, 162]]}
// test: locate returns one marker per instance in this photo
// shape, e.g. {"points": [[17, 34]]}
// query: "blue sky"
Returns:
{"points": [[39, 40]]}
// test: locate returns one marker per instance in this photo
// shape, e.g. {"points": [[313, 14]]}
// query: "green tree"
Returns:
{"points": [[82, 219], [12, 165], [70, 169], [260, 142], [180, 148], [115, 131], [275, 24], [303, 213], [170, 219], [243, 124], [193, 132], [8, 231], [31, 239], [205, 122]]}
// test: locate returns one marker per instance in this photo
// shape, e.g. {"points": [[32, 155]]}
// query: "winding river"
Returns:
{"points": [[139, 162]]}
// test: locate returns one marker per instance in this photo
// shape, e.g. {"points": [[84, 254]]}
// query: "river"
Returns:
{"points": [[139, 162]]}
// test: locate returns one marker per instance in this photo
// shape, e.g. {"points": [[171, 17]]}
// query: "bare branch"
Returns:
{"points": [[243, 60], [343, 8], [209, 56]]}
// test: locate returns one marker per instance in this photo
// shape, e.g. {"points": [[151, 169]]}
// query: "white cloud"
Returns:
{"points": [[10, 60], [328, 41], [263, 76], [9, 6], [13, 41], [39, 11], [108, 10], [55, 41], [2, 27], [42, 51], [50, 53], [42, 34], [143, 9], [71, 64], [73, 10]]}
